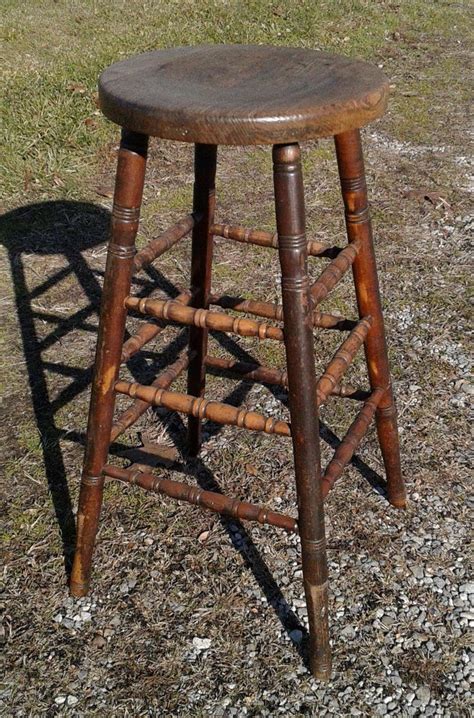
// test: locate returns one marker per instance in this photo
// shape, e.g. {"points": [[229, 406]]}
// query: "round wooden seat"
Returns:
{"points": [[242, 94]]}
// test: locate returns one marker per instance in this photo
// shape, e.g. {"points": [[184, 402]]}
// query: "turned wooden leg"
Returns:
{"points": [[121, 250], [201, 265], [354, 192], [290, 219]]}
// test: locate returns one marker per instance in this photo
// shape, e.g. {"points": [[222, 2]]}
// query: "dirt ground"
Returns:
{"points": [[192, 614]]}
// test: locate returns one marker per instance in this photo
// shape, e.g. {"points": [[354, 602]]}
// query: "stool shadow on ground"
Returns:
{"points": [[47, 243], [38, 238]]}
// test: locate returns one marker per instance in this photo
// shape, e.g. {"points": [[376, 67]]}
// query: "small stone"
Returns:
{"points": [[467, 587], [60, 700], [387, 622], [423, 694], [72, 700], [58, 618], [417, 571], [348, 632], [201, 644], [98, 641], [299, 603]]}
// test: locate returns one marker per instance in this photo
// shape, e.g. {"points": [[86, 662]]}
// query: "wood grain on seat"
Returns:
{"points": [[242, 94]]}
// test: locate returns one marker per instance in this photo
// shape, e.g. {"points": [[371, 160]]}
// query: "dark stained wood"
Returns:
{"points": [[138, 407], [264, 239], [341, 360], [207, 499], [348, 446], [333, 273], [242, 94], [292, 250], [161, 244], [204, 200], [203, 318], [268, 375], [247, 371], [359, 230], [216, 411], [147, 332], [275, 311], [121, 251]]}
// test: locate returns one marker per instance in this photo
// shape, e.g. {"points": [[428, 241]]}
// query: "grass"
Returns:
{"points": [[57, 148], [53, 130]]}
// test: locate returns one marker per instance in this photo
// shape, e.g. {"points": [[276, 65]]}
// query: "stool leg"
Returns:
{"points": [[354, 192], [121, 250], [290, 219], [201, 264]]}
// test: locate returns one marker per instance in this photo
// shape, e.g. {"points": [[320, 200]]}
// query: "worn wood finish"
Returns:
{"points": [[207, 499], [204, 409], [275, 311], [203, 318], [359, 230], [242, 94], [138, 407], [165, 241], [290, 220], [348, 446], [120, 254], [204, 200], [266, 239]]}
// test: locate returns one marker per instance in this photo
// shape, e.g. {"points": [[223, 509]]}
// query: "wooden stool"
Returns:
{"points": [[243, 95]]}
